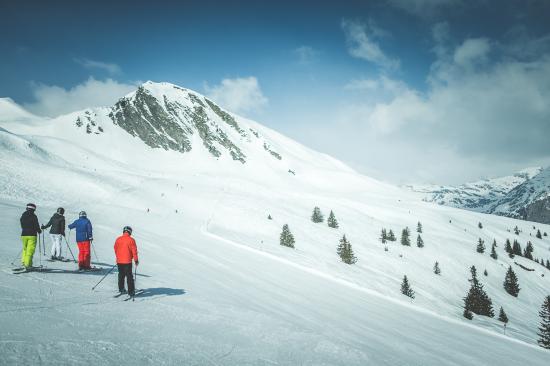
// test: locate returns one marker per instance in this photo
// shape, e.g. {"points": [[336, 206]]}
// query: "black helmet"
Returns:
{"points": [[127, 229], [61, 210], [31, 206], [82, 214]]}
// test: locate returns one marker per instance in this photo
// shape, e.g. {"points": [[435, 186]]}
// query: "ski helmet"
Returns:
{"points": [[61, 210], [127, 229], [31, 206], [82, 214]]}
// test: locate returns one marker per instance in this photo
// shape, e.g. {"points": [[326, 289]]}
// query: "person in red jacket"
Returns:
{"points": [[126, 251]]}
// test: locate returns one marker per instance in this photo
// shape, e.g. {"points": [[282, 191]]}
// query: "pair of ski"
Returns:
{"points": [[59, 260], [19, 270], [128, 298]]}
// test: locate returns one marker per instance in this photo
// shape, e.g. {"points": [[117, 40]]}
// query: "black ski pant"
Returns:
{"points": [[125, 271]]}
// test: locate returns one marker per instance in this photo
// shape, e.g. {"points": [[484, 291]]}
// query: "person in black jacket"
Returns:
{"points": [[57, 231], [29, 231]]}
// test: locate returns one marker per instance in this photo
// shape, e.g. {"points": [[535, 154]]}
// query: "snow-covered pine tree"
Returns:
{"points": [[545, 234], [485, 273], [480, 225], [511, 282], [345, 251], [502, 316], [539, 235], [516, 230], [287, 239], [544, 327], [391, 236], [406, 288], [508, 248], [419, 227], [332, 222], [405, 237], [480, 246], [437, 270], [383, 236], [516, 248], [493, 251], [269, 217], [528, 251], [317, 215], [419, 241], [548, 264], [477, 300]]}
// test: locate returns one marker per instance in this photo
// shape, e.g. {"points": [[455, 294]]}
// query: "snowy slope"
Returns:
{"points": [[219, 287], [477, 196]]}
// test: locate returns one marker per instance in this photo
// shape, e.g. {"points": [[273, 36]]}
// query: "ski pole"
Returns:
{"points": [[18, 256], [93, 248], [135, 284], [68, 247], [43, 243], [102, 278]]}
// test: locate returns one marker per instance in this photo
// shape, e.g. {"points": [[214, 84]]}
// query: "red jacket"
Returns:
{"points": [[125, 249]]}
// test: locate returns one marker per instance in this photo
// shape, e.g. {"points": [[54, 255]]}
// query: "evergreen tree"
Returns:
{"points": [[317, 215], [419, 227], [437, 270], [539, 235], [391, 236], [516, 248], [516, 230], [545, 234], [419, 241], [480, 246], [405, 237], [508, 248], [384, 236], [332, 222], [485, 273], [345, 252], [528, 251], [269, 217], [511, 282], [493, 251], [480, 225], [548, 264], [544, 328], [287, 239], [502, 316], [477, 300], [406, 288]]}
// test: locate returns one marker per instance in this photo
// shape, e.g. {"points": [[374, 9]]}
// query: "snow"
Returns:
{"points": [[219, 289]]}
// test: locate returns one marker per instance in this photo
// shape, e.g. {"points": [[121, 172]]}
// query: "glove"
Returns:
{"points": [[137, 263], [42, 227]]}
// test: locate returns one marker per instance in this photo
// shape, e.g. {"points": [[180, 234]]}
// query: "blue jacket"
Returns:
{"points": [[83, 229]]}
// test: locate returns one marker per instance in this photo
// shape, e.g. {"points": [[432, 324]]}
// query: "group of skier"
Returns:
{"points": [[125, 246]]}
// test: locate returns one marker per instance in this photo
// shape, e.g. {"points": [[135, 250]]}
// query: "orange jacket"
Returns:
{"points": [[125, 249]]}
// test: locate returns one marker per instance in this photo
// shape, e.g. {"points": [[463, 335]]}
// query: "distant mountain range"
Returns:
{"points": [[524, 195]]}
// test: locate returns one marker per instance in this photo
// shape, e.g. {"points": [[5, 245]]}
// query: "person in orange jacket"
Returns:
{"points": [[126, 251]]}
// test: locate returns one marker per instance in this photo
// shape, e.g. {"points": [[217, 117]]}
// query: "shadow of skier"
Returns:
{"points": [[161, 291]]}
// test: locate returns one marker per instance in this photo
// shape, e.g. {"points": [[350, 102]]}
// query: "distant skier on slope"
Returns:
{"points": [[126, 251], [57, 231], [83, 239], [29, 231]]}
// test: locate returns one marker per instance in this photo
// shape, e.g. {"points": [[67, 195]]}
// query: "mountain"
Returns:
{"points": [[207, 193], [527, 201]]}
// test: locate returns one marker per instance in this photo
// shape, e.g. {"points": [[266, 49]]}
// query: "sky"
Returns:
{"points": [[406, 91]]}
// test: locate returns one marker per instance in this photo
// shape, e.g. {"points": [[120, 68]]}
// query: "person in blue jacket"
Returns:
{"points": [[84, 238]]}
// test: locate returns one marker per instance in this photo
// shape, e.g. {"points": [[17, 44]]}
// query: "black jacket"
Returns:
{"points": [[29, 224], [57, 222]]}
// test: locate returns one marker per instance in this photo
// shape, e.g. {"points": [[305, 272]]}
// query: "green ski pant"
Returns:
{"points": [[29, 245]]}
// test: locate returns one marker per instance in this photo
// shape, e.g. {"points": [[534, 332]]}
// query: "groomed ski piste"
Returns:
{"points": [[218, 289]]}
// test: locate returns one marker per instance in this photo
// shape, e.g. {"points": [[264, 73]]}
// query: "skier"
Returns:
{"points": [[126, 251], [83, 239], [57, 222], [29, 231]]}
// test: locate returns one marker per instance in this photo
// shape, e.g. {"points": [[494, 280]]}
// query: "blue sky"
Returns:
{"points": [[406, 91]]}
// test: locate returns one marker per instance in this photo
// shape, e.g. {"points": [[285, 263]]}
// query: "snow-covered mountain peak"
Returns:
{"points": [[9, 110]]}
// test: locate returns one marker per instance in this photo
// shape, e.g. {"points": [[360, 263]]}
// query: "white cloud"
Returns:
{"points": [[111, 68], [53, 100], [361, 44], [239, 95], [472, 51], [305, 54]]}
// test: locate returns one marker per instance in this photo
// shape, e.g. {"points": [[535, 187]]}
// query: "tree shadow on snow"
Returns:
{"points": [[161, 291]]}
